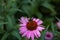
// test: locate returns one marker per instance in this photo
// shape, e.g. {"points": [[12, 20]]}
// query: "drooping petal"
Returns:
{"points": [[38, 33], [25, 34], [22, 24], [32, 36], [35, 33], [39, 22], [40, 28], [28, 34], [22, 29]]}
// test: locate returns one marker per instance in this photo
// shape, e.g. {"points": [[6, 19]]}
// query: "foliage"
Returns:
{"points": [[12, 10]]}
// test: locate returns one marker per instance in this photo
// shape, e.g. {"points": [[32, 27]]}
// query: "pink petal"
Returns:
{"points": [[22, 24], [35, 33], [34, 19], [22, 29], [26, 19], [32, 36], [24, 34], [28, 34], [40, 28], [23, 20], [39, 22], [38, 33]]}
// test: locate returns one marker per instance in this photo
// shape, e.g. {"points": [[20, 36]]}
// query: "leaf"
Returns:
{"points": [[56, 0], [39, 15], [30, 7], [50, 7], [5, 36], [53, 28], [11, 23], [1, 28], [1, 6], [16, 34], [57, 19], [11, 7], [12, 11], [26, 10], [1, 17]]}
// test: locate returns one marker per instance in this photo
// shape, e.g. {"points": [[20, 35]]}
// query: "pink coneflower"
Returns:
{"points": [[49, 36], [58, 24], [30, 27]]}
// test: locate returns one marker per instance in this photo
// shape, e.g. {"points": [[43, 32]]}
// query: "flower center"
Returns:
{"points": [[48, 35], [31, 25]]}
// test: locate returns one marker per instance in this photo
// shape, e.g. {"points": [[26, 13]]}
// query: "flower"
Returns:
{"points": [[58, 24], [30, 28], [49, 36]]}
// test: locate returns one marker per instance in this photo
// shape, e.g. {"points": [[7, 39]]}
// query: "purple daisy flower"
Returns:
{"points": [[49, 36], [30, 28]]}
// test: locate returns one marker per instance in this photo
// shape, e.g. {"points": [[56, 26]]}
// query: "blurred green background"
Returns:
{"points": [[12, 10]]}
